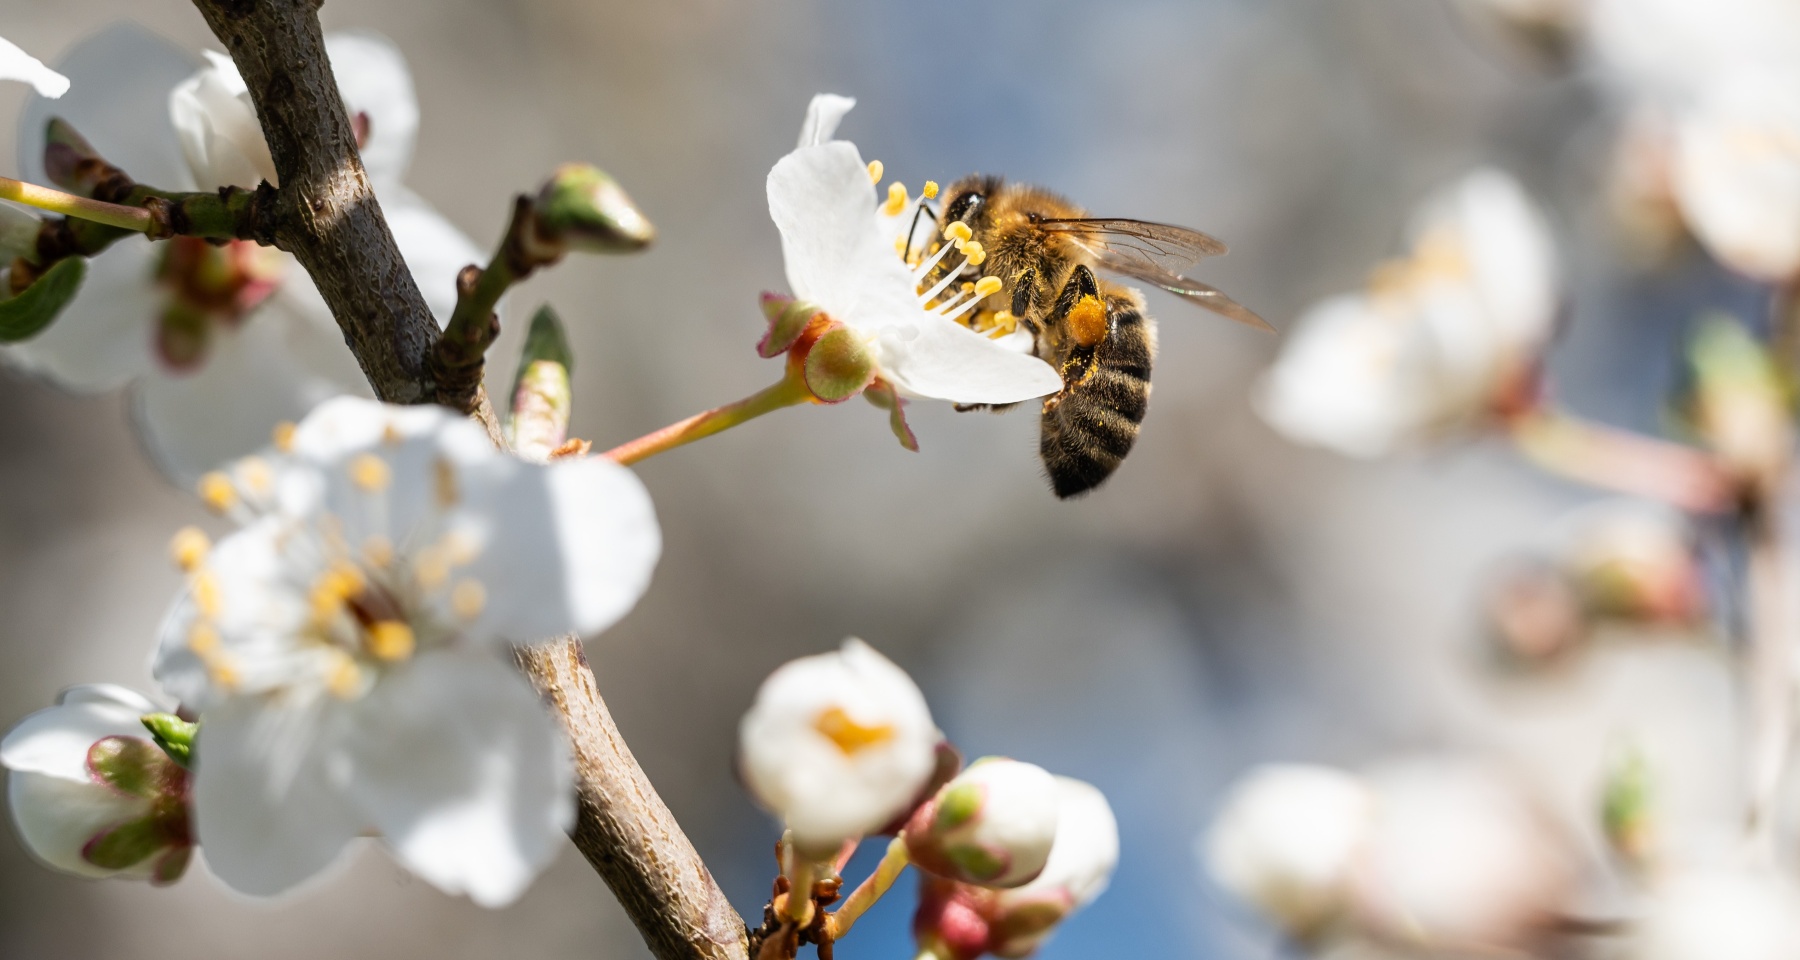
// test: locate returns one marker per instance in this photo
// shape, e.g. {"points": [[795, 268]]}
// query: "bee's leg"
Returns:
{"points": [[1025, 287], [1079, 311], [989, 407]]}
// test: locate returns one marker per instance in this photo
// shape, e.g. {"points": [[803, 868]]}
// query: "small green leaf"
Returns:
{"points": [[787, 320], [27, 314], [585, 208], [174, 735], [125, 845]]}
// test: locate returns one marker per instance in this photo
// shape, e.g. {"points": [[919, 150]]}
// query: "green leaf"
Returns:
{"points": [[27, 314], [174, 735]]}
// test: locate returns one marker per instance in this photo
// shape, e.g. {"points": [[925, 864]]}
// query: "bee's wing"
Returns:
{"points": [[1155, 253]]}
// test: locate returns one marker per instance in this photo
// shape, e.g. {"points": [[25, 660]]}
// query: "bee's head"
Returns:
{"points": [[968, 199]]}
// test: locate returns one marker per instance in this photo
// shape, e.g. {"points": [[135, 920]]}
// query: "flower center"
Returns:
{"points": [[207, 286], [934, 272], [850, 736]]}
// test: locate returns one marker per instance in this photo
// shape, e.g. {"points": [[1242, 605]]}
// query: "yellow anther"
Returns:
{"points": [[390, 435], [968, 287], [847, 734], [188, 548], [257, 476], [875, 169], [379, 551], [467, 599], [391, 640], [223, 672], [896, 199], [432, 569], [931, 190], [443, 474], [460, 548], [976, 253], [203, 639], [284, 436], [958, 232], [333, 589], [370, 472], [217, 492], [900, 245], [1004, 323], [344, 677], [988, 286], [204, 587]]}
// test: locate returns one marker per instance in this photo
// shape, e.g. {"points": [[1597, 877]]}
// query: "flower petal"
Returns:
{"points": [[268, 806], [118, 99], [435, 250], [105, 337], [373, 80], [16, 64], [822, 202], [465, 774], [54, 742], [947, 361], [822, 117], [220, 135], [57, 817]]}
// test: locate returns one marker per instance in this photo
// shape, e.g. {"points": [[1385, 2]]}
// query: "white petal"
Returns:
{"points": [[220, 136], [824, 205], [465, 774], [373, 80], [435, 250], [1737, 174], [822, 117], [118, 100], [16, 64], [1339, 382], [55, 741], [252, 380], [947, 361], [1086, 849], [106, 337], [57, 817], [573, 548], [269, 809]]}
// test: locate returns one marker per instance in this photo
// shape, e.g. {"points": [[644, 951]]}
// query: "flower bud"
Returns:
{"points": [[1719, 915], [585, 208], [542, 399], [1738, 406], [991, 826], [1636, 561], [91, 794], [837, 745], [1532, 613], [1081, 865], [1286, 840]]}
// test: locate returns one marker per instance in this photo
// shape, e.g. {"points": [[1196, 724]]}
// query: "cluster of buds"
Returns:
{"points": [[841, 745]]}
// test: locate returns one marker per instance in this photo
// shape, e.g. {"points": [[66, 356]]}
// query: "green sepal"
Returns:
{"points": [[174, 735], [171, 865], [583, 207], [977, 864], [957, 806], [128, 765], [27, 314], [787, 320], [883, 395], [126, 845], [839, 365]]}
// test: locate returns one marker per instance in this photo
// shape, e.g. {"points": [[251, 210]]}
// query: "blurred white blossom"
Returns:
{"points": [[837, 239], [174, 318], [837, 745], [1736, 171], [1441, 339], [91, 793], [991, 825], [1719, 914], [1285, 842], [347, 647], [16, 64]]}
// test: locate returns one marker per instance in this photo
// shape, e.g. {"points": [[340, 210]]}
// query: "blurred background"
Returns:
{"points": [[1227, 599]]}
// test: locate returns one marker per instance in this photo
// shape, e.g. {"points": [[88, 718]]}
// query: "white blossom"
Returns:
{"points": [[1081, 864], [839, 246], [1719, 914], [837, 745], [216, 363], [1736, 171], [90, 792], [1442, 338], [992, 825], [16, 64], [1286, 840], [347, 646]]}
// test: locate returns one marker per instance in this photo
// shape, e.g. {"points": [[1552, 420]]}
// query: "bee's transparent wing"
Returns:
{"points": [[1155, 253]]}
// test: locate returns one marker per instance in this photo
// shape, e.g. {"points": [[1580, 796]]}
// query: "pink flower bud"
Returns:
{"points": [[992, 825]]}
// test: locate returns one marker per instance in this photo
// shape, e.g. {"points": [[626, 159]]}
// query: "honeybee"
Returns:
{"points": [[1044, 251]]}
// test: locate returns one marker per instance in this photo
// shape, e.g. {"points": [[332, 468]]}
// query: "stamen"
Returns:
{"points": [[203, 639], [217, 492], [896, 199], [370, 472], [976, 253], [258, 478], [875, 169], [849, 736], [467, 599], [391, 640], [432, 569], [900, 245], [981, 290], [460, 548], [959, 232], [284, 436], [333, 589], [1005, 324], [390, 435], [949, 278], [345, 678], [988, 286], [205, 590], [931, 190], [224, 674], [379, 551], [938, 252], [444, 474], [188, 548]]}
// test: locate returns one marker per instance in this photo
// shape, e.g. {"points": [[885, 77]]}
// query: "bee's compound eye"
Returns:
{"points": [[963, 207]]}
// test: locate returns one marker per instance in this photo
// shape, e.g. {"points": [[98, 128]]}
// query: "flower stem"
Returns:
{"points": [[1628, 462], [136, 219], [800, 882], [870, 890], [791, 391]]}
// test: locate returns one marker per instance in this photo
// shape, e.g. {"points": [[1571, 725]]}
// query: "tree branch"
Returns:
{"points": [[326, 215]]}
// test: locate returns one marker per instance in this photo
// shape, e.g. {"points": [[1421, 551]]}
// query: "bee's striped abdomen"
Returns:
{"points": [[1090, 426]]}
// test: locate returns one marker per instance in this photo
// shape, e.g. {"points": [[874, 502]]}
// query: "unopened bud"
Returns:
{"points": [[586, 209], [1638, 562], [72, 163], [1737, 405], [542, 398], [992, 825], [1080, 867]]}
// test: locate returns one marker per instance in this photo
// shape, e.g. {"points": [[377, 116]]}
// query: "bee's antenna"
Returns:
{"points": [[913, 231]]}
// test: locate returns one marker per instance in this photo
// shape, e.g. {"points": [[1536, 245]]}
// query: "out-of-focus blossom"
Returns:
{"points": [[1457, 859], [221, 342], [1669, 50], [1533, 613], [1736, 171], [1545, 27], [992, 825], [16, 64], [837, 745], [1445, 338], [1719, 914], [1627, 814], [346, 647], [1285, 842], [957, 921], [1737, 404], [1637, 561], [91, 793], [1640, 188], [838, 240]]}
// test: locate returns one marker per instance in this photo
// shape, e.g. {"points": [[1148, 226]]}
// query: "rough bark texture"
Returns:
{"points": [[326, 215], [624, 829]]}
